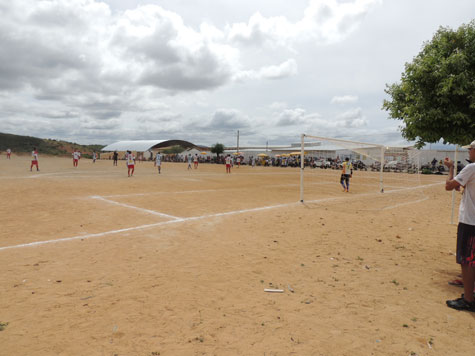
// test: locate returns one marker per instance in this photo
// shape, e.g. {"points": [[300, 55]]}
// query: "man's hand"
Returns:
{"points": [[449, 163]]}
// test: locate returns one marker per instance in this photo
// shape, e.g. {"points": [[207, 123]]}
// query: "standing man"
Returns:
{"points": [[115, 156], [94, 156], [130, 163], [34, 159], [9, 153], [228, 163], [346, 174], [465, 229], [238, 161], [75, 155], [189, 160], [158, 162], [195, 161]]}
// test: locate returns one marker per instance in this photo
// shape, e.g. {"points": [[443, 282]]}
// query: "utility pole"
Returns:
{"points": [[237, 142]]}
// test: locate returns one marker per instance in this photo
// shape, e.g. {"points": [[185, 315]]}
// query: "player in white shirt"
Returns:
{"points": [[9, 153], [238, 161], [158, 161], [228, 161], [189, 160], [76, 156], [34, 159], [195, 161], [94, 156], [130, 158]]}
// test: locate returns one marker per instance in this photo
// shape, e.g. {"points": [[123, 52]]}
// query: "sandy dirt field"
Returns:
{"points": [[96, 263]]}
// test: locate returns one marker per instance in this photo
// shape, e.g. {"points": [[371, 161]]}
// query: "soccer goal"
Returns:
{"points": [[329, 153]]}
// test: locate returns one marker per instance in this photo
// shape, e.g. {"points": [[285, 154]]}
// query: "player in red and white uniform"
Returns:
{"points": [[76, 155], [228, 161], [130, 163], [195, 161], [238, 161], [9, 153], [34, 159]]}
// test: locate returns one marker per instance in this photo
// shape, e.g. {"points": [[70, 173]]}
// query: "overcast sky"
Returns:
{"points": [[100, 71]]}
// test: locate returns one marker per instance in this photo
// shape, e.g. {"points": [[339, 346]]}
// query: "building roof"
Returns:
{"points": [[145, 145]]}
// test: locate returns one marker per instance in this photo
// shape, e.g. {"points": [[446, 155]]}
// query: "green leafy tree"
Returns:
{"points": [[217, 148], [436, 96]]}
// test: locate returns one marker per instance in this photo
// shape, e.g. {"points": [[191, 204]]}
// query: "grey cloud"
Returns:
{"points": [[228, 119], [352, 118]]}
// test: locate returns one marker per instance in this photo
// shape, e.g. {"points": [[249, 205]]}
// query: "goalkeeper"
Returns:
{"points": [[346, 174]]}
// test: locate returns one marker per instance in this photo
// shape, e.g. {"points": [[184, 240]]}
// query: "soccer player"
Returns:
{"points": [[115, 156], [346, 174], [189, 161], [75, 155], [195, 161], [34, 159], [9, 153], [94, 156], [158, 162], [465, 230], [238, 161], [228, 161], [130, 163]]}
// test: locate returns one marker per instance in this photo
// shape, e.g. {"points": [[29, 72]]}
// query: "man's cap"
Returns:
{"points": [[472, 145]]}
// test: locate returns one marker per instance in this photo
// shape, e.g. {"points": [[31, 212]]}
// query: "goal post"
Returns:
{"points": [[375, 152]]}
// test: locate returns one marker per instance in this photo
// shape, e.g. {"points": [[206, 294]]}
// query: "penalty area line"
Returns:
{"points": [[152, 212]]}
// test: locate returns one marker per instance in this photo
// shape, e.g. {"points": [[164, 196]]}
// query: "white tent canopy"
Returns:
{"points": [[138, 146], [145, 145]]}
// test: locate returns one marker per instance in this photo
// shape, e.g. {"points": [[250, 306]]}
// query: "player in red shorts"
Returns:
{"points": [[195, 161], [34, 159], [130, 163], [9, 153], [228, 163], [76, 156]]}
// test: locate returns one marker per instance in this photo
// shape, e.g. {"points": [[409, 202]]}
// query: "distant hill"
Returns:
{"points": [[25, 144]]}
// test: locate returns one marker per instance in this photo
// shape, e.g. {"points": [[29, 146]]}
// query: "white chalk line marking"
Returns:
{"points": [[152, 212], [194, 218], [404, 204]]}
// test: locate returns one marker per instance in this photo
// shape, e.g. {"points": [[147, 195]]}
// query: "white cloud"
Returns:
{"points": [[286, 69], [352, 118], [324, 21], [345, 99]]}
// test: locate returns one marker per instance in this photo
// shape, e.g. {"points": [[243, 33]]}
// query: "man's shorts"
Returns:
{"points": [[130, 166], [75, 160], [345, 177], [228, 166], [34, 163], [466, 244]]}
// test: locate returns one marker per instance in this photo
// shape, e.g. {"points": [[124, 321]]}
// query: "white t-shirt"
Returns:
{"points": [[34, 156], [130, 159], [9, 151], [158, 159], [466, 178], [228, 160], [76, 155], [195, 159], [189, 159]]}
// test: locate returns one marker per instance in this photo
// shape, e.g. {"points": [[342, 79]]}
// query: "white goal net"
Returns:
{"points": [[317, 152]]}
